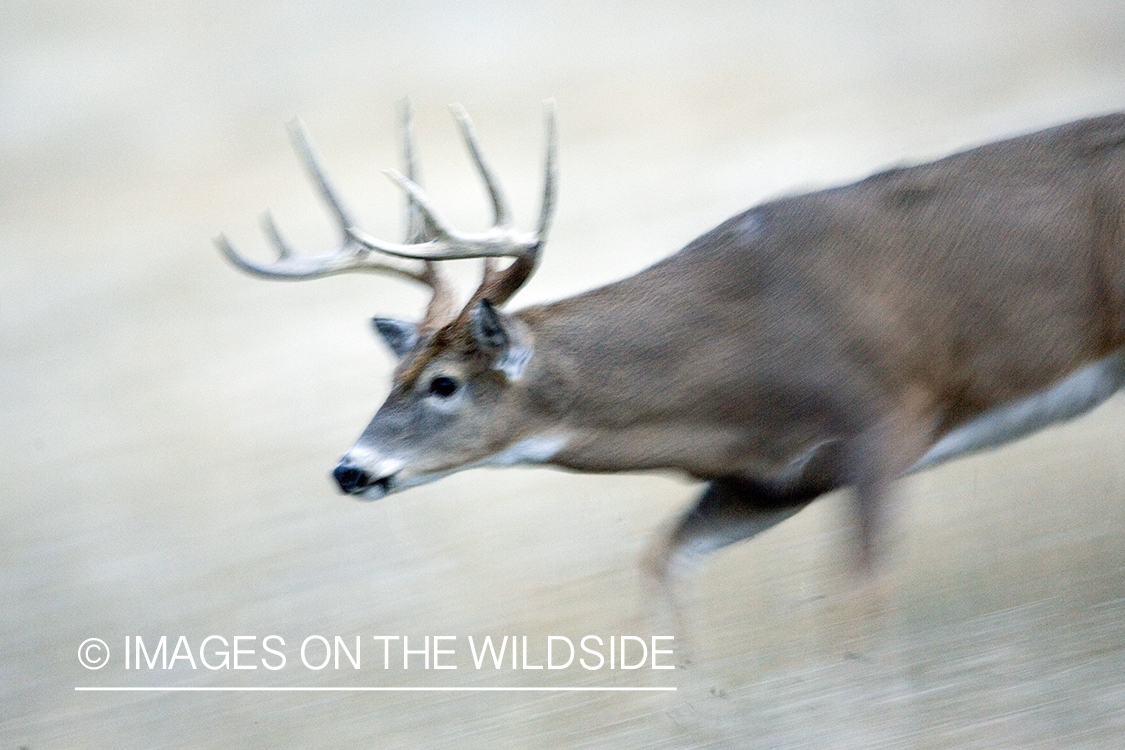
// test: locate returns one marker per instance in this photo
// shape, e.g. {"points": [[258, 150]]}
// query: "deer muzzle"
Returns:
{"points": [[356, 481]]}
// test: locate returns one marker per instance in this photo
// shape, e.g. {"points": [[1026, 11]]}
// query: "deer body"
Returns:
{"points": [[839, 338]]}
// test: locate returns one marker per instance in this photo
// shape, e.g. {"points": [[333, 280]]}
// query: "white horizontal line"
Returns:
{"points": [[372, 689]]}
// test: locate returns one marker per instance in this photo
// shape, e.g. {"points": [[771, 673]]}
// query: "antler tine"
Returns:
{"points": [[289, 266], [499, 286], [284, 251], [550, 176], [420, 228], [502, 240], [349, 256], [502, 214], [311, 159]]}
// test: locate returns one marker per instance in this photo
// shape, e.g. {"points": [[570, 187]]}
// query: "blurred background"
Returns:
{"points": [[168, 425]]}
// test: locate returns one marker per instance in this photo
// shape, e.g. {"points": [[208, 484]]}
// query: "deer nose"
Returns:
{"points": [[351, 479]]}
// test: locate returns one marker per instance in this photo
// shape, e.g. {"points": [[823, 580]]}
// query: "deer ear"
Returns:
{"points": [[399, 335], [504, 337]]}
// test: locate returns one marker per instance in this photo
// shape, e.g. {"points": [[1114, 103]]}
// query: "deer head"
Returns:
{"points": [[459, 371]]}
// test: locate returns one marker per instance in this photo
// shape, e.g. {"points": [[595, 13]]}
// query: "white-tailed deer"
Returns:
{"points": [[839, 338]]}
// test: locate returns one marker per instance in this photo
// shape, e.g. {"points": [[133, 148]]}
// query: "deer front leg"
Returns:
{"points": [[733, 509], [729, 510], [877, 456]]}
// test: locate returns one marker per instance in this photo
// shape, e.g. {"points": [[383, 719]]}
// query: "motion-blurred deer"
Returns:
{"points": [[836, 339]]}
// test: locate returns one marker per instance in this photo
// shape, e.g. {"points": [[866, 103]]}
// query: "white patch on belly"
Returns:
{"points": [[1069, 398]]}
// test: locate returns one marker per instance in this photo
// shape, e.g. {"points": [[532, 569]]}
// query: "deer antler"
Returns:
{"points": [[503, 240], [352, 255]]}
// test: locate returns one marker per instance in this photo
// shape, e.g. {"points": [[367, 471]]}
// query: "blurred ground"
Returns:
{"points": [[168, 425]]}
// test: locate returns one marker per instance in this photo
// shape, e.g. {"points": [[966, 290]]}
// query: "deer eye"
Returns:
{"points": [[443, 387]]}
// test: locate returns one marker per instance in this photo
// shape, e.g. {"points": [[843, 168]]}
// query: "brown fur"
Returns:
{"points": [[813, 342], [880, 315]]}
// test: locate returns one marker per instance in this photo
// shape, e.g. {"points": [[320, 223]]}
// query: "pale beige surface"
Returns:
{"points": [[168, 425]]}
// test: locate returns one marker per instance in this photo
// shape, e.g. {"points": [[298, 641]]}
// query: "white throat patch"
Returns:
{"points": [[533, 450]]}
